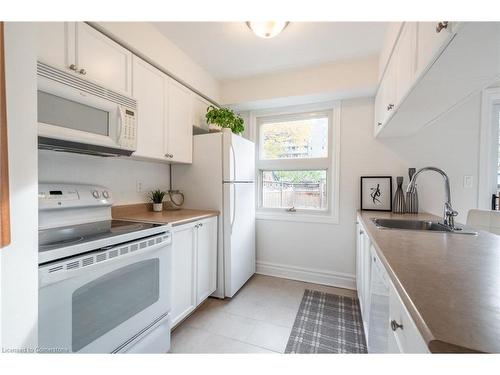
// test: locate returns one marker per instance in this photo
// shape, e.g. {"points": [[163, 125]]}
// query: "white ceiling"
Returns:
{"points": [[230, 50]]}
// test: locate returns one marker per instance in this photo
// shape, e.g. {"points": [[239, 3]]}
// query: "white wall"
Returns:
{"points": [[120, 175], [145, 38], [19, 260], [342, 79], [452, 143], [325, 252]]}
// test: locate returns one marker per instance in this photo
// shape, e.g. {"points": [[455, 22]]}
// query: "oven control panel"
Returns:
{"points": [[59, 196]]}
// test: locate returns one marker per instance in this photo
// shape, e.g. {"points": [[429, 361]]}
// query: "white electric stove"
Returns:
{"points": [[103, 284]]}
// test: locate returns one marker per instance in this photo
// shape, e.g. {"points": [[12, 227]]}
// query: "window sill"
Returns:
{"points": [[297, 217]]}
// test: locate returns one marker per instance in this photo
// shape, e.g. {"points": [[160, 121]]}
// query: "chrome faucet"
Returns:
{"points": [[449, 213]]}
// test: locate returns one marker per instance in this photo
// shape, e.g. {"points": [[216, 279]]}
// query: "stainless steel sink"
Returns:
{"points": [[422, 225]]}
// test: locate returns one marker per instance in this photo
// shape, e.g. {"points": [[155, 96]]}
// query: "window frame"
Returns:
{"points": [[331, 163]]}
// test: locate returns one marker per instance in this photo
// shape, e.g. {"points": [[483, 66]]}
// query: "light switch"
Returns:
{"points": [[468, 181]]}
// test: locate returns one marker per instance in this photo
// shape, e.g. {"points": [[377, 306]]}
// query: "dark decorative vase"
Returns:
{"points": [[398, 205], [412, 197]]}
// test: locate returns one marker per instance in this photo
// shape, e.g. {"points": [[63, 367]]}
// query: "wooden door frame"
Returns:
{"points": [[4, 163]]}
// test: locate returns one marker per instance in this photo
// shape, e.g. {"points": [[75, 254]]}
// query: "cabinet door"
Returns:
{"points": [[405, 60], [103, 60], [149, 90], [179, 135], [206, 246], [429, 43], [200, 106], [55, 44], [359, 265], [379, 110], [388, 104], [183, 272]]}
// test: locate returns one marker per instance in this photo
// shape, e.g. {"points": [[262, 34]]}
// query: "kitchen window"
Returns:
{"points": [[297, 163]]}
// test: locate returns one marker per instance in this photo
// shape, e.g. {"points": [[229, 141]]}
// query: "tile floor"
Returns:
{"points": [[257, 320]]}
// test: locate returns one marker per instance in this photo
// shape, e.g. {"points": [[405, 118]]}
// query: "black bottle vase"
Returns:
{"points": [[398, 205]]}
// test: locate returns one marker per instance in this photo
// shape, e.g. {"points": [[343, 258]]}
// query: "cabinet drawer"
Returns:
{"points": [[405, 332]]}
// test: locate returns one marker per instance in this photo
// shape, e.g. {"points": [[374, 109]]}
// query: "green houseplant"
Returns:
{"points": [[156, 196], [225, 118]]}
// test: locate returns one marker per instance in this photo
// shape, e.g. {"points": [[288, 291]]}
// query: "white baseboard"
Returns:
{"points": [[337, 279]]}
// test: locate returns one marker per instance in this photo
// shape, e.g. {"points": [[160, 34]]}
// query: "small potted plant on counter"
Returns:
{"points": [[225, 118], [156, 196]]}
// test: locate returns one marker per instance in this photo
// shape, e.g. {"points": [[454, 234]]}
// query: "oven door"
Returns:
{"points": [[69, 114], [96, 308]]}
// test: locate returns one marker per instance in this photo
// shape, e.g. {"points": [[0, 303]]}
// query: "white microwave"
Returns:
{"points": [[76, 115]]}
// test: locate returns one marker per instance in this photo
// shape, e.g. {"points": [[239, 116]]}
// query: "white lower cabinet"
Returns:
{"points": [[387, 323], [194, 266]]}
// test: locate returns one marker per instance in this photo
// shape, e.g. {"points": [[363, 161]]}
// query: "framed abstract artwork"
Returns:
{"points": [[376, 193]]}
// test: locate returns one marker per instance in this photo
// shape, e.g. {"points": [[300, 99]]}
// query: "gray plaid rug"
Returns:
{"points": [[327, 323]]}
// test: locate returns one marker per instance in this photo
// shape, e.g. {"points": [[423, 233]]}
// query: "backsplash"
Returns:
{"points": [[120, 175]]}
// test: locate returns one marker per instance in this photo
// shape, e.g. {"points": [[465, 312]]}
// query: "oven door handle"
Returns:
{"points": [[47, 278]]}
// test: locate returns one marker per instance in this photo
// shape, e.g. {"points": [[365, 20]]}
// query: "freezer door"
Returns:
{"points": [[238, 158], [239, 235]]}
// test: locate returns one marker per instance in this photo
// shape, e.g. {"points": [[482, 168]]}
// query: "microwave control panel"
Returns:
{"points": [[129, 129]]}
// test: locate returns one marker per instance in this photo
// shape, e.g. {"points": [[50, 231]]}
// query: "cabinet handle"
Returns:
{"points": [[82, 71], [441, 25], [169, 155], [390, 106], [201, 224], [73, 67], [379, 124], [395, 325], [361, 232]]}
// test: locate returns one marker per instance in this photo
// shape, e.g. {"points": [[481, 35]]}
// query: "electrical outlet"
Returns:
{"points": [[468, 180], [139, 186]]}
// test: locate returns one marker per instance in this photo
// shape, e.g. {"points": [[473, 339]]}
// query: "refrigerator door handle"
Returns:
{"points": [[233, 154], [233, 206]]}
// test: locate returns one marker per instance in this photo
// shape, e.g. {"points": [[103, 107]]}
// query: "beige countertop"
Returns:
{"points": [[450, 283], [144, 212]]}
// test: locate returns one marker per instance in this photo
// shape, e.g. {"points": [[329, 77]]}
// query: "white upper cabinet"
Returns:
{"points": [[103, 60], [179, 134], [149, 88], [78, 48], [405, 60], [55, 44], [432, 36]]}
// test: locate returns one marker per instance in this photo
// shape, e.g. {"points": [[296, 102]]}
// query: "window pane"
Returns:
{"points": [[306, 138], [299, 189]]}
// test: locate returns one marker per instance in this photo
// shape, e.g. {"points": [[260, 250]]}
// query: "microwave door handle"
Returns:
{"points": [[120, 124]]}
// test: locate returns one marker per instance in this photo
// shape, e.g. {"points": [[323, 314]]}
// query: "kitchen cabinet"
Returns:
{"points": [[437, 66], [363, 273], [183, 272], [404, 336], [194, 266], [179, 135], [432, 37], [388, 325], [103, 60], [149, 89], [164, 130], [56, 44], [79, 48], [398, 77], [405, 55], [206, 259]]}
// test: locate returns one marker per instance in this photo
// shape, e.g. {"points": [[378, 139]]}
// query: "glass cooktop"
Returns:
{"points": [[55, 238]]}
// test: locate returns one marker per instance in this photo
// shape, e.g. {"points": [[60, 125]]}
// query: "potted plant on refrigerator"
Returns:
{"points": [[224, 118], [156, 196]]}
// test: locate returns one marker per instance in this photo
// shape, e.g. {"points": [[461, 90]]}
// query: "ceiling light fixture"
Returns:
{"points": [[267, 29]]}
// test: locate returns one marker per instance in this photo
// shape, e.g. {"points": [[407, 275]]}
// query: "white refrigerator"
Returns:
{"points": [[222, 177]]}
